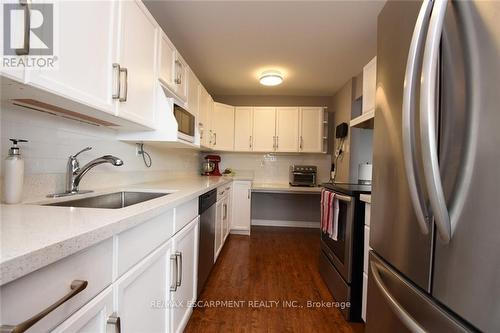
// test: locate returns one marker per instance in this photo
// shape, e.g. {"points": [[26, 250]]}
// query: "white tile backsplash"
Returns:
{"points": [[52, 139], [274, 168]]}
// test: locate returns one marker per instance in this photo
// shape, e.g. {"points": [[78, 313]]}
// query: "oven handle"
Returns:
{"points": [[343, 197]]}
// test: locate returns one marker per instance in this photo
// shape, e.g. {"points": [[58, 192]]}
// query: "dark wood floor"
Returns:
{"points": [[274, 264]]}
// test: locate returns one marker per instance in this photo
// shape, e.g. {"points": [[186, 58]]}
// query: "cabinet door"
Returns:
{"points": [[167, 61], [223, 127], [241, 203], [264, 129], [193, 84], [141, 293], [369, 85], [137, 54], [311, 130], [218, 228], [186, 249], [91, 318], [243, 128], [203, 123], [181, 77], [287, 129], [225, 219], [85, 71]]}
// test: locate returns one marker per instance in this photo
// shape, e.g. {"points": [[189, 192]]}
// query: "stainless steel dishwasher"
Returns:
{"points": [[207, 237]]}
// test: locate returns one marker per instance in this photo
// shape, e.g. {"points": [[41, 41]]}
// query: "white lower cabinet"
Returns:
{"points": [[142, 294], [183, 291], [93, 317], [241, 207]]}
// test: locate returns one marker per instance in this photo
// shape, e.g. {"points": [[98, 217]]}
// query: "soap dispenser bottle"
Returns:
{"points": [[14, 174]]}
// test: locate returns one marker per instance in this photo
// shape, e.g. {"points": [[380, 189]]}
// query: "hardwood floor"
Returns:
{"points": [[271, 267]]}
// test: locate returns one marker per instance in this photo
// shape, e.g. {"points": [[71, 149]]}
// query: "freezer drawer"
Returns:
{"points": [[395, 305]]}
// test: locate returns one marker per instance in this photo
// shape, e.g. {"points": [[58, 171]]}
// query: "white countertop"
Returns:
{"points": [[365, 198], [33, 236], [283, 188]]}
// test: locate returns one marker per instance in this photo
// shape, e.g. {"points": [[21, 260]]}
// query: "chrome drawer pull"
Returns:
{"points": [[76, 287]]}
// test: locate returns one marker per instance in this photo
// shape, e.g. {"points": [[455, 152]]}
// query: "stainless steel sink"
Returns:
{"points": [[111, 200]]}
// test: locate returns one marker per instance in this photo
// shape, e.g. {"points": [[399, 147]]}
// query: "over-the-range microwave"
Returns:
{"points": [[185, 122]]}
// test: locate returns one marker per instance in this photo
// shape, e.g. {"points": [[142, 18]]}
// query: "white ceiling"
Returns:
{"points": [[317, 45]]}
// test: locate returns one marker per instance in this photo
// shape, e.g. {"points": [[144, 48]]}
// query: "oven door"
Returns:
{"points": [[303, 179], [340, 251]]}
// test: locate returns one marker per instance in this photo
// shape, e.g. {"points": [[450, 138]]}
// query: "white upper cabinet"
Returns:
{"points": [[369, 85], [136, 57], [311, 130], [223, 127], [85, 53], [243, 120], [264, 129], [287, 129], [204, 119], [167, 61], [193, 93]]}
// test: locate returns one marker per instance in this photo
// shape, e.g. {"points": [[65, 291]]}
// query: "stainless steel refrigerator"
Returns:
{"points": [[435, 217]]}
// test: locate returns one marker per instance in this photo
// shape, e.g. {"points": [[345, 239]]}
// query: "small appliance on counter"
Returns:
{"points": [[365, 173], [211, 166], [303, 175]]}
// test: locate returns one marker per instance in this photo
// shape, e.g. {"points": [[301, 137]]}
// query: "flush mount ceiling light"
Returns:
{"points": [[271, 78]]}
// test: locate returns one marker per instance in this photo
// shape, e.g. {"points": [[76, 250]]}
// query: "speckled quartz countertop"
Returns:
{"points": [[283, 188], [33, 236]]}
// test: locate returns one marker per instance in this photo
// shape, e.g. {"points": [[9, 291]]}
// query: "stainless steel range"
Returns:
{"points": [[341, 260]]}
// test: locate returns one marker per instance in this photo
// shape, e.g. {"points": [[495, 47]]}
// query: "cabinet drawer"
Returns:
{"points": [[223, 190], [185, 213], [25, 297], [136, 243]]}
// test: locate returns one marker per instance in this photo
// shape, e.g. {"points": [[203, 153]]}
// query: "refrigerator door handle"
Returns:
{"points": [[428, 122], [398, 310], [408, 125]]}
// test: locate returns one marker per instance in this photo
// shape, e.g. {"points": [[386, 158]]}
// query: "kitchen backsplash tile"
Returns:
{"points": [[52, 139], [274, 168]]}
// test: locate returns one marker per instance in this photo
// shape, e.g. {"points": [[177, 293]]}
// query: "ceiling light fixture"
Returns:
{"points": [[271, 78]]}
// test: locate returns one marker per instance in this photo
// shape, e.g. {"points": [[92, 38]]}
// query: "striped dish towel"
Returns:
{"points": [[329, 214]]}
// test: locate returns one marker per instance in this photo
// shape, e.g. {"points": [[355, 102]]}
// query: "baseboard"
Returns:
{"points": [[283, 223], [240, 232]]}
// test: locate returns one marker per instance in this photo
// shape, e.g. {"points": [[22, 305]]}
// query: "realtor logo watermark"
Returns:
{"points": [[29, 36]]}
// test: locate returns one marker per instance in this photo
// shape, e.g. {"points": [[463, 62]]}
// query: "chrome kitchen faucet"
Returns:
{"points": [[74, 173]]}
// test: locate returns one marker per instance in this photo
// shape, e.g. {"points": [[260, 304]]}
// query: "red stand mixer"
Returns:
{"points": [[211, 165]]}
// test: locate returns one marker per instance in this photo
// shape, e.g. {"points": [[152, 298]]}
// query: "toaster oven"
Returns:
{"points": [[303, 175]]}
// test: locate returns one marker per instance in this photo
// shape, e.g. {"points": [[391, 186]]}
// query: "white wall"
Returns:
{"points": [[274, 168], [52, 139]]}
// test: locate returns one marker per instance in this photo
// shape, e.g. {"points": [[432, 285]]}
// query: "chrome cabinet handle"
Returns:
{"points": [[393, 303], [249, 193], [250, 142], [215, 138], [408, 127], [27, 24], [301, 142], [274, 142], [444, 225], [117, 81], [179, 270], [173, 285], [277, 142], [76, 287], [114, 323], [125, 86]]}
